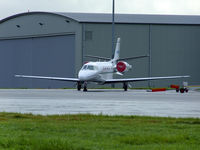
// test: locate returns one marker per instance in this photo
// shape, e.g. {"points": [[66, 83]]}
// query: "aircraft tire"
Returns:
{"points": [[125, 86], [85, 87], [78, 86]]}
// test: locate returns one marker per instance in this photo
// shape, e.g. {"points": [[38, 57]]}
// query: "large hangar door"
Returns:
{"points": [[45, 56], [53, 56]]}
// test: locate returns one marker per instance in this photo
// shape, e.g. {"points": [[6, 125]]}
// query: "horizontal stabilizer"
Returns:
{"points": [[136, 57], [97, 57]]}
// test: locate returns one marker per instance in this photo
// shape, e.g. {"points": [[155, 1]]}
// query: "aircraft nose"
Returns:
{"points": [[82, 75], [86, 75]]}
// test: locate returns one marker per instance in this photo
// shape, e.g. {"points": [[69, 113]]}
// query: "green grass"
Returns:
{"points": [[97, 132]]}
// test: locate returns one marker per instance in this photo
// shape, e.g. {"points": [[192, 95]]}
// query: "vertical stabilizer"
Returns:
{"points": [[117, 50]]}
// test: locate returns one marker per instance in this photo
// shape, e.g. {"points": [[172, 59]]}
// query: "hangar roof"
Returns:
{"points": [[121, 18], [133, 18]]}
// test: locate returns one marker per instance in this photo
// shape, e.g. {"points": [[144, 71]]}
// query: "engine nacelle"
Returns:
{"points": [[123, 66]]}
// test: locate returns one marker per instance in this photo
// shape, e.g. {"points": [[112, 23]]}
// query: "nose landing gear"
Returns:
{"points": [[84, 86]]}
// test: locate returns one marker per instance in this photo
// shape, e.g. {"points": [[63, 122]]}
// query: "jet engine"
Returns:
{"points": [[123, 66]]}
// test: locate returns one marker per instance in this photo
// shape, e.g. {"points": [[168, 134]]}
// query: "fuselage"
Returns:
{"points": [[96, 71]]}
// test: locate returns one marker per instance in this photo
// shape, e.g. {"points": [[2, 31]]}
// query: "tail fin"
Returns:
{"points": [[117, 50]]}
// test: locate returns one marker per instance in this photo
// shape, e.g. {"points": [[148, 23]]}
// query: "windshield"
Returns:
{"points": [[89, 67], [84, 67]]}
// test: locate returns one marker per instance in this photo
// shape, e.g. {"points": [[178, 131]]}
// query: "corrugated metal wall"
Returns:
{"points": [[175, 49]]}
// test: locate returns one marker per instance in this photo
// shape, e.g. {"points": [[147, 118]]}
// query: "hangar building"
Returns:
{"points": [[54, 44]]}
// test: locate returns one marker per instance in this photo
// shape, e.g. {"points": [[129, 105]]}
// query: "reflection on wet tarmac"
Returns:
{"points": [[111, 102]]}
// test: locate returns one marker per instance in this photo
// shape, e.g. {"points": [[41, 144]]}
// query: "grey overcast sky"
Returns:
{"points": [[178, 7]]}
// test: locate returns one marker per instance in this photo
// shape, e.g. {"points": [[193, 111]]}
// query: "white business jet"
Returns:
{"points": [[102, 72]]}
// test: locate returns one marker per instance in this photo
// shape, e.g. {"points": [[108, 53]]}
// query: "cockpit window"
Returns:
{"points": [[84, 67], [89, 67]]}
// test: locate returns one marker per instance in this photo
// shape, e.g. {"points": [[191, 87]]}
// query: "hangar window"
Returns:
{"points": [[67, 21], [88, 35], [40, 23]]}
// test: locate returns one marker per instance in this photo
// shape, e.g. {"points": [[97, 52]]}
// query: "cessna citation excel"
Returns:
{"points": [[102, 72]]}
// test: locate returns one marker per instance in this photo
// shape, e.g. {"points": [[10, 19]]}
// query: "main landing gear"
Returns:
{"points": [[79, 86], [125, 86]]}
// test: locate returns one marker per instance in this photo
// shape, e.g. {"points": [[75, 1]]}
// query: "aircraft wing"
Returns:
{"points": [[143, 79], [48, 78]]}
